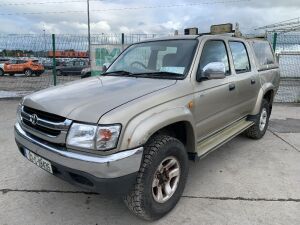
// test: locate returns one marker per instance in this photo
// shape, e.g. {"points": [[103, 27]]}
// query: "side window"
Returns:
{"points": [[79, 63], [214, 51], [263, 53], [240, 57], [70, 64]]}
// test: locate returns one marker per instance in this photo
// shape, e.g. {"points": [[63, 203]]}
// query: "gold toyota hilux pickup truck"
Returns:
{"points": [[162, 102]]}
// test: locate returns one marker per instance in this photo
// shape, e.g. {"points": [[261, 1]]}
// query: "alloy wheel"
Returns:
{"points": [[166, 179]]}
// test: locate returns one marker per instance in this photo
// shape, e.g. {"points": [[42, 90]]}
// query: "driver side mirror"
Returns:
{"points": [[104, 68], [213, 70]]}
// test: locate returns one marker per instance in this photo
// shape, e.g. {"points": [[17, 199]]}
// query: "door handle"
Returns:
{"points": [[253, 81], [231, 87]]}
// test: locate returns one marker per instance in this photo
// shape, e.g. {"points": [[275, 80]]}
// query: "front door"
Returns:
{"points": [[215, 99], [11, 66]]}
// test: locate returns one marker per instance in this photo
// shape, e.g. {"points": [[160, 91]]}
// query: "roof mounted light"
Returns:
{"points": [[221, 28], [191, 31]]}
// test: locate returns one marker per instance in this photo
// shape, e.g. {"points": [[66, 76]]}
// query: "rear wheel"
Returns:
{"points": [[11, 74], [28, 72], [161, 178], [58, 72], [258, 130]]}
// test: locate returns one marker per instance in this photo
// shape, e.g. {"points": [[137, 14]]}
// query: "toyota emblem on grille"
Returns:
{"points": [[33, 119]]}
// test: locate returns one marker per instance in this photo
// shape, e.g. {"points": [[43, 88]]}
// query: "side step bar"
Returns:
{"points": [[215, 141]]}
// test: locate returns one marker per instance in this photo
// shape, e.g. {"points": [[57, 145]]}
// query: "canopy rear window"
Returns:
{"points": [[263, 53]]}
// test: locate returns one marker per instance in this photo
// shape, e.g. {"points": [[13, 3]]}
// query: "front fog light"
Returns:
{"points": [[107, 137]]}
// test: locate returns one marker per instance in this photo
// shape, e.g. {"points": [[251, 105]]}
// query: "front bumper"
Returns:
{"points": [[98, 173]]}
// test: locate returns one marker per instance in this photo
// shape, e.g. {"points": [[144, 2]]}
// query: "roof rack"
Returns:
{"points": [[218, 29]]}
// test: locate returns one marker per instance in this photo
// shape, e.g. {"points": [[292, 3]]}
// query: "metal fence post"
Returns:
{"points": [[123, 40], [54, 60], [275, 41]]}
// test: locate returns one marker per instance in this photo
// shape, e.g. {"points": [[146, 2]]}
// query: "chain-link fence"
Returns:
{"points": [[72, 56], [287, 48]]}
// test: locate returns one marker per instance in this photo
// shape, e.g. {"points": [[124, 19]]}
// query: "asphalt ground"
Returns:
{"points": [[21, 83], [243, 182]]}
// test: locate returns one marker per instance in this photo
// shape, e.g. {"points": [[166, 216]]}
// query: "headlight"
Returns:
{"points": [[93, 137], [82, 136]]}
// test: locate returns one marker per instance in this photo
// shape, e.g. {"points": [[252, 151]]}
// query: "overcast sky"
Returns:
{"points": [[249, 14]]}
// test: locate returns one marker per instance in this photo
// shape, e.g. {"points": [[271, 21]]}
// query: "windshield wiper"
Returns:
{"points": [[161, 75], [118, 72], [157, 75]]}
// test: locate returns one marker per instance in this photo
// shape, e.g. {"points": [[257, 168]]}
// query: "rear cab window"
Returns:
{"points": [[264, 55], [240, 57]]}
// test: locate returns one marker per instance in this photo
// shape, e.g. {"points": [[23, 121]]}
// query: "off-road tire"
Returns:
{"points": [[1, 73], [28, 72], [254, 131], [140, 200]]}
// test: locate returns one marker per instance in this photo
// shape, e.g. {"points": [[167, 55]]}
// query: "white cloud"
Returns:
{"points": [[124, 29], [101, 27], [157, 20], [171, 25]]}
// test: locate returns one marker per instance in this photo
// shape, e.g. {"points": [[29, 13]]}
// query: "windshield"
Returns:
{"points": [[156, 59]]}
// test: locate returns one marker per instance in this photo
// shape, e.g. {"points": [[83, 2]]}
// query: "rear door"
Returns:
{"points": [[215, 99], [20, 66], [246, 77], [69, 68], [78, 66]]}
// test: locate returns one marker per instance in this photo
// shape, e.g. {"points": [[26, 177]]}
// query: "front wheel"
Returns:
{"points": [[258, 130], [1, 73], [58, 72], [161, 178], [28, 73]]}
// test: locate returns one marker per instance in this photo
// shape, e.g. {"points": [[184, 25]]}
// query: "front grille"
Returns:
{"points": [[42, 129], [45, 125], [44, 115]]}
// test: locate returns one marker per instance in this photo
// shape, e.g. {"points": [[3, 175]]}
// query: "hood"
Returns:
{"points": [[87, 100]]}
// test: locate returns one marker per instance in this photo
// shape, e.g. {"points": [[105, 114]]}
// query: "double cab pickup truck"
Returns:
{"points": [[162, 102]]}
